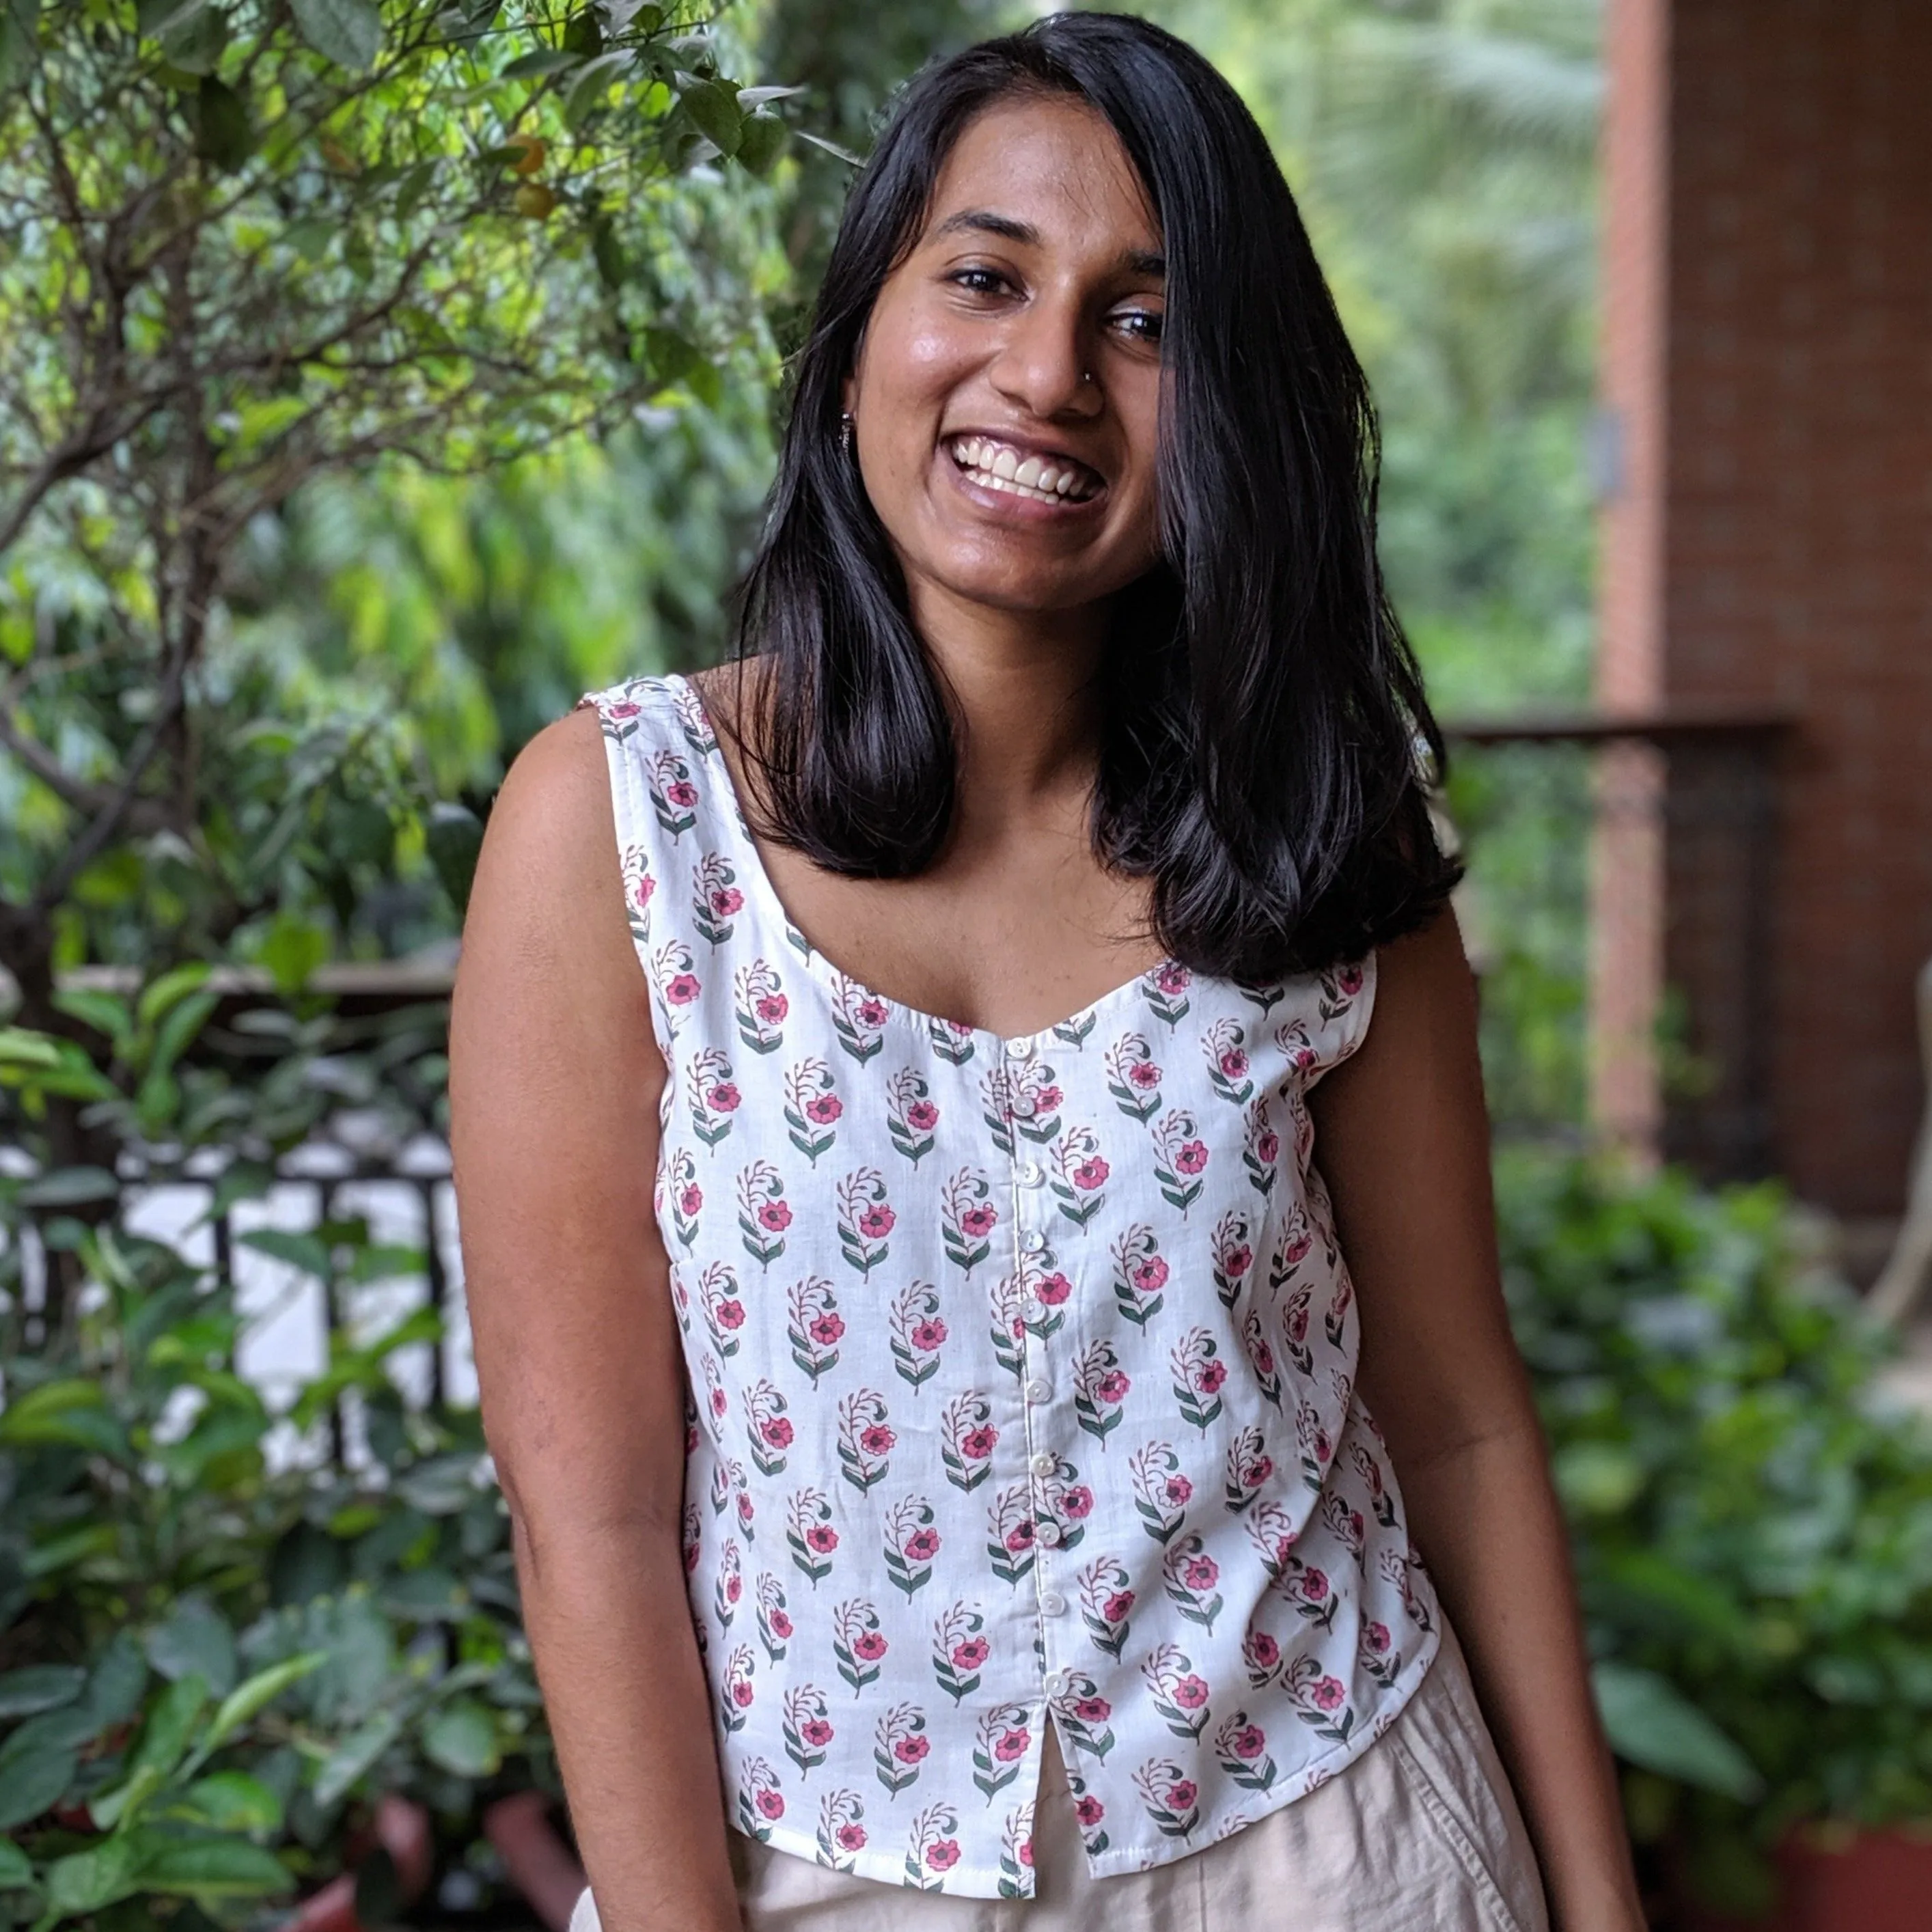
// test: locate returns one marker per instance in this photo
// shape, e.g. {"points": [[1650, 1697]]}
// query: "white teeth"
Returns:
{"points": [[995, 466]]}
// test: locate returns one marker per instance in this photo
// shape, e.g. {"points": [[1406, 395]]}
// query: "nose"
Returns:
{"points": [[1041, 364]]}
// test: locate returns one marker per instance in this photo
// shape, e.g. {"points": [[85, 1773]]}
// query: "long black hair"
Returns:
{"points": [[1263, 723]]}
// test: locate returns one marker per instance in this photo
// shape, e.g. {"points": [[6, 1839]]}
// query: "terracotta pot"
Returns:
{"points": [[541, 1865], [402, 1828], [1837, 1881]]}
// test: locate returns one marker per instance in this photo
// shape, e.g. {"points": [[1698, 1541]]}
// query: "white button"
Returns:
{"points": [[1018, 1049], [1039, 1389], [1045, 1463], [1033, 1241], [1029, 1173], [1051, 1603], [1055, 1684], [1034, 1311], [1048, 1533]]}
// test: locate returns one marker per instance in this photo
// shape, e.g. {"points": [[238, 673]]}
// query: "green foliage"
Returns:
{"points": [[1753, 1526]]}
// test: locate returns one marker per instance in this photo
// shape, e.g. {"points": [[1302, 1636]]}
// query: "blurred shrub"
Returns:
{"points": [[1752, 1525]]}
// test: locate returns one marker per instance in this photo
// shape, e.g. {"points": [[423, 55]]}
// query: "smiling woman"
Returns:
{"points": [[948, 1448]]}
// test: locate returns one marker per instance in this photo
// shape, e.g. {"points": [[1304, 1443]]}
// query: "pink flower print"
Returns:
{"points": [[1118, 1607], [681, 792], [1011, 1744], [1172, 979], [1328, 1695], [1201, 1573], [724, 900], [778, 1432], [689, 1200], [1053, 1289], [731, 1314], [622, 710], [1234, 1064], [874, 1012], [923, 1545], [774, 1216], [970, 1655], [1267, 1145], [1090, 1173], [769, 1803], [1262, 1356], [1313, 1585], [781, 1624], [1190, 1157], [827, 1329], [871, 1646], [851, 1838], [927, 1335], [1150, 1277], [640, 893], [1113, 1387], [878, 1440], [1209, 1377], [876, 1221], [979, 1220], [1090, 1811], [912, 1751], [976, 1444], [1020, 1536], [746, 1511], [772, 1009], [1179, 1491], [1254, 1474], [1348, 980], [681, 989], [822, 1539], [943, 1855], [1180, 1795], [1046, 1098], [720, 1402], [1190, 1693], [823, 1109], [741, 1694], [816, 1731], [734, 1589], [922, 1117], [1077, 1502], [1092, 1710], [1025, 1851], [1144, 1073], [1248, 1742], [1263, 1649], [1376, 1638]]}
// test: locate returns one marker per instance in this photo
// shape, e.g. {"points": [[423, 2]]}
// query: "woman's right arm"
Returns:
{"points": [[555, 1079]]}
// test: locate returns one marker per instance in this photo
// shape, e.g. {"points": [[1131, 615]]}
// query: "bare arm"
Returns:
{"points": [[555, 1081], [1403, 1141]]}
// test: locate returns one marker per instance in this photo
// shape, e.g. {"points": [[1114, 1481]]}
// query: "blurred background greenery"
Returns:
{"points": [[375, 376]]}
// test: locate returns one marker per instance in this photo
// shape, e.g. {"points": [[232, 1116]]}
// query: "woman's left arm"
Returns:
{"points": [[1402, 1140]]}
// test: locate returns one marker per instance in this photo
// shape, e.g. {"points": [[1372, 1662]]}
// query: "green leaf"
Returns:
{"points": [[241, 1181], [31, 1780], [712, 108], [585, 33], [453, 834], [194, 44], [290, 951], [21, 1046], [461, 1738], [243, 1703], [761, 141], [161, 995], [70, 1412], [162, 1742], [86, 1881], [231, 1801], [545, 60], [354, 1755], [152, 16], [20, 40], [67, 1186], [178, 1030], [349, 32], [224, 131], [40, 1686], [290, 1245], [17, 1870], [212, 1868], [415, 182], [106, 1012], [587, 91], [1652, 1725]]}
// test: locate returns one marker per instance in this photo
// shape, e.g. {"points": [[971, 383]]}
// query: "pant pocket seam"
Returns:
{"points": [[1453, 1834]]}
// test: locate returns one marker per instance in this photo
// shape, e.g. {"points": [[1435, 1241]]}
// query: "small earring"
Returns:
{"points": [[1086, 375], [845, 431]]}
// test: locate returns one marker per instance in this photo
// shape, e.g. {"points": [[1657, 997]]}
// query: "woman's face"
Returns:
{"points": [[1005, 394]]}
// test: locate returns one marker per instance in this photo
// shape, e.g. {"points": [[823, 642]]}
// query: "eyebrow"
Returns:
{"points": [[983, 220]]}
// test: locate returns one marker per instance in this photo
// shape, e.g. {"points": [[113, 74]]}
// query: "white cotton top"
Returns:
{"points": [[1023, 1381]]}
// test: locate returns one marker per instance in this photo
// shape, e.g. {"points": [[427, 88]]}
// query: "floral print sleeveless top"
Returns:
{"points": [[1022, 1378]]}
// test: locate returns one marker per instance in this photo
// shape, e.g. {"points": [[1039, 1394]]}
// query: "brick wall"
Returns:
{"points": [[1778, 349]]}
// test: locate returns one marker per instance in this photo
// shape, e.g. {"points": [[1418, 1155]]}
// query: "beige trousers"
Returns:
{"points": [[1420, 1834]]}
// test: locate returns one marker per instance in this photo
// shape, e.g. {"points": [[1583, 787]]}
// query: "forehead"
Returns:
{"points": [[1053, 162]]}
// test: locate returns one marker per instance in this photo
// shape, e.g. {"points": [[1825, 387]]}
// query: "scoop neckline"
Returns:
{"points": [[759, 882]]}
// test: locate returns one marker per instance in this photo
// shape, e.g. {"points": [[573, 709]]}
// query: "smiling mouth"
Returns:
{"points": [[998, 465]]}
